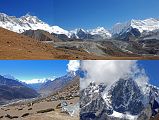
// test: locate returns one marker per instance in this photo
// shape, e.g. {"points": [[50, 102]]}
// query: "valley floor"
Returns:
{"points": [[34, 111]]}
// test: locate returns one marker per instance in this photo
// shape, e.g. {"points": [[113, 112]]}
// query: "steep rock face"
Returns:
{"points": [[92, 103], [154, 99], [130, 34], [126, 96], [41, 35], [124, 100]]}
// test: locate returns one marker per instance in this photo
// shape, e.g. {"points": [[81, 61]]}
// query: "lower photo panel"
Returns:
{"points": [[79, 89], [39, 90]]}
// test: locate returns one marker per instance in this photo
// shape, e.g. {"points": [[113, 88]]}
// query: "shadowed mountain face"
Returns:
{"points": [[124, 100], [121, 94], [41, 35], [13, 89], [130, 34]]}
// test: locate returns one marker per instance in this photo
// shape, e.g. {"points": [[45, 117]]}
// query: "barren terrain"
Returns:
{"points": [[16, 46]]}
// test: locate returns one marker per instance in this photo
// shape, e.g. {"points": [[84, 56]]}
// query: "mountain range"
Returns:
{"points": [[37, 39], [58, 83], [14, 89], [19, 101], [11, 89], [124, 100], [28, 22]]}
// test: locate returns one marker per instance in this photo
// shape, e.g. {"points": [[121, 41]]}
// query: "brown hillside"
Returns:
{"points": [[17, 46], [41, 35]]}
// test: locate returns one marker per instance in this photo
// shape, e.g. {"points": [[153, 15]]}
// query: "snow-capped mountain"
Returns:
{"points": [[97, 33], [79, 34], [123, 100], [141, 25], [132, 28], [59, 82], [100, 31], [28, 22], [34, 81]]}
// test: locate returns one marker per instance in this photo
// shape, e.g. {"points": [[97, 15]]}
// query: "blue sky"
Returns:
{"points": [[70, 14], [33, 69], [152, 70]]}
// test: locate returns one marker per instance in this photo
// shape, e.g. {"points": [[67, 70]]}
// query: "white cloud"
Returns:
{"points": [[109, 71], [41, 80], [142, 80], [73, 65]]}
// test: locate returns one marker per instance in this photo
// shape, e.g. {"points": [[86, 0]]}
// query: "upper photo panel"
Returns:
{"points": [[79, 29]]}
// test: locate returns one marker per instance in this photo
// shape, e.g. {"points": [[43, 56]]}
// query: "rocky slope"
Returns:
{"points": [[135, 38], [124, 100], [16, 46], [41, 35]]}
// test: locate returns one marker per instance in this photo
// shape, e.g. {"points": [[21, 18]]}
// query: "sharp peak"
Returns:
{"points": [[127, 80], [80, 29], [29, 14]]}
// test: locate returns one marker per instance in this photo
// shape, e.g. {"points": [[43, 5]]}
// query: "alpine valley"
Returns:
{"points": [[134, 38], [43, 100]]}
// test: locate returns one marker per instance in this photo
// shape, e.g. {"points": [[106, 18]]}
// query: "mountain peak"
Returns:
{"points": [[100, 31], [142, 25], [31, 19], [29, 22], [27, 14]]}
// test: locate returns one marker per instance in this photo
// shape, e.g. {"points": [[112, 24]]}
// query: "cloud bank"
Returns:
{"points": [[110, 71], [73, 65]]}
